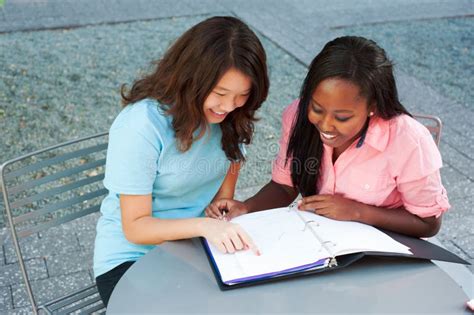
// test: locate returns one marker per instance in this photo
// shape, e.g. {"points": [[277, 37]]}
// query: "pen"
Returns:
{"points": [[223, 215]]}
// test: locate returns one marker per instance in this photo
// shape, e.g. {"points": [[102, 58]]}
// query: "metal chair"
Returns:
{"points": [[47, 188], [433, 124]]}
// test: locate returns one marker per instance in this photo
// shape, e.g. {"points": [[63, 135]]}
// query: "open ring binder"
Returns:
{"points": [[297, 243]]}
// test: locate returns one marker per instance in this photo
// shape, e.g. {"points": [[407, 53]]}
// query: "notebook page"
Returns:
{"points": [[344, 237], [282, 239]]}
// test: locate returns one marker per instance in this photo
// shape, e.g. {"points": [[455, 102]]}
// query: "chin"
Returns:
{"points": [[214, 120]]}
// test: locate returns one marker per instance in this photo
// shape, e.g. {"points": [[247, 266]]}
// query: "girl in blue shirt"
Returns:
{"points": [[177, 146]]}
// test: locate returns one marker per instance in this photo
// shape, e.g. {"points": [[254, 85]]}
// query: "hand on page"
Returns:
{"points": [[228, 237], [226, 209], [331, 206]]}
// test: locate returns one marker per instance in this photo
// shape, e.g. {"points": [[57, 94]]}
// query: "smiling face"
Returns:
{"points": [[339, 113], [232, 91]]}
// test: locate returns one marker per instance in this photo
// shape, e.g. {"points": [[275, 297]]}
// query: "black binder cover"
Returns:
{"points": [[421, 249]]}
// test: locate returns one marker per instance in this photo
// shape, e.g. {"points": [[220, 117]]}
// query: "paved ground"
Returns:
{"points": [[62, 61]]}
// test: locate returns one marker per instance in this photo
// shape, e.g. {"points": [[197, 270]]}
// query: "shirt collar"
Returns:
{"points": [[376, 135]]}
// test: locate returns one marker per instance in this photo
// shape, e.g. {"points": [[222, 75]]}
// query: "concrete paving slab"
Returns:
{"points": [[462, 238], [458, 160], [433, 50], [55, 14], [20, 311], [85, 224], [338, 13], [459, 190], [26, 10], [10, 274], [317, 19], [66, 263], [8, 249], [34, 246], [461, 142], [451, 176], [456, 232], [464, 210], [85, 233], [86, 240], [2, 14], [50, 288], [5, 298], [4, 232], [465, 241], [2, 255], [420, 98]]}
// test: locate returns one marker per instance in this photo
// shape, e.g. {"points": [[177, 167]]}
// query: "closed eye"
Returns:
{"points": [[316, 110], [343, 119]]}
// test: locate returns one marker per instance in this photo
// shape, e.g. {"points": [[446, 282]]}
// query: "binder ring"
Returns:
{"points": [[325, 244], [293, 206], [330, 243], [308, 222]]}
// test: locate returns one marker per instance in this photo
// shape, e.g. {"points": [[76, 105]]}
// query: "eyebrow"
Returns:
{"points": [[227, 90], [345, 111]]}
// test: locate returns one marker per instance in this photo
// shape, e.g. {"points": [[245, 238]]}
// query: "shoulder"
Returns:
{"points": [[146, 110], [143, 115], [407, 131], [412, 152], [142, 122], [410, 143]]}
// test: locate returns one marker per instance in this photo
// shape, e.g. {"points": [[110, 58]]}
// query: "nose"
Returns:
{"points": [[326, 123], [229, 104]]}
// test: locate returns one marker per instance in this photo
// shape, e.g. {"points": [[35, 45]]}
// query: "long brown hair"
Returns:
{"points": [[191, 68]]}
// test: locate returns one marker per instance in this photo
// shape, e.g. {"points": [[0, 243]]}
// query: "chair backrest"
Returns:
{"points": [[50, 187], [433, 124]]}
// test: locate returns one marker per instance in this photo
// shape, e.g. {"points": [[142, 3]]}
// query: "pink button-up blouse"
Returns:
{"points": [[397, 165]]}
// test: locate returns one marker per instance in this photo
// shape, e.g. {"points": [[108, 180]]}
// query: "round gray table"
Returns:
{"points": [[176, 278]]}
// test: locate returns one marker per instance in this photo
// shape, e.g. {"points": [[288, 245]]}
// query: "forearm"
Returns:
{"points": [[272, 195], [227, 189], [397, 220], [148, 230]]}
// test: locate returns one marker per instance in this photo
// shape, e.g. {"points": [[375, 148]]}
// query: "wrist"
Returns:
{"points": [[248, 205], [202, 226], [358, 212]]}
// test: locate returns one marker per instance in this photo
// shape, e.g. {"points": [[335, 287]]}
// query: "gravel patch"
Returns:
{"points": [[438, 52]]}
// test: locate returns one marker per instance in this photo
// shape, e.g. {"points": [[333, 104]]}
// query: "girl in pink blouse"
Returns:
{"points": [[352, 150]]}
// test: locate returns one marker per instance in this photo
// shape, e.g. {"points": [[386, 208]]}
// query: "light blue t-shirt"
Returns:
{"points": [[143, 158]]}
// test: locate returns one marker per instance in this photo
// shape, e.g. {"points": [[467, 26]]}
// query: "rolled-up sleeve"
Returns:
{"points": [[281, 172], [425, 197], [419, 180]]}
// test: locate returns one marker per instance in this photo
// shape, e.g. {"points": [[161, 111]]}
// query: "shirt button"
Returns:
{"points": [[367, 186]]}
